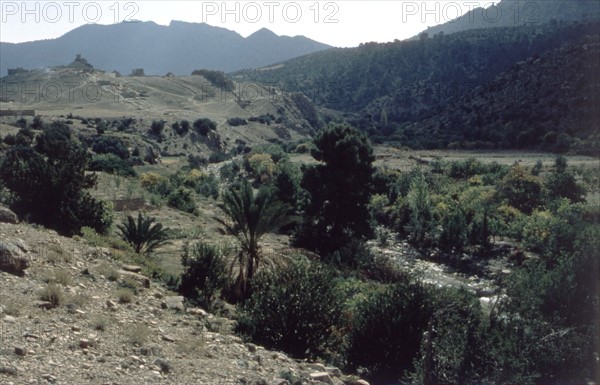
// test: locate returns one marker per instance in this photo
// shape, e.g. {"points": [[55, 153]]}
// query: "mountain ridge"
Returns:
{"points": [[180, 48]]}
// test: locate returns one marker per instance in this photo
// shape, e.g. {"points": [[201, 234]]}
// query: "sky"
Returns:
{"points": [[344, 23]]}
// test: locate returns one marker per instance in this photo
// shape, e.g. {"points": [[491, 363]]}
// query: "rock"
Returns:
{"points": [[132, 268], [335, 372], [20, 244], [321, 376], [43, 304], [20, 350], [84, 344], [169, 338], [358, 382], [143, 280], [174, 303], [163, 364], [12, 259], [7, 216], [200, 313], [251, 347], [280, 381], [8, 370], [48, 377], [111, 304], [10, 319]]}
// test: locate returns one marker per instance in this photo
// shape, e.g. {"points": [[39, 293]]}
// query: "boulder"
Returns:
{"points": [[143, 280], [322, 377], [12, 259], [175, 303], [7, 216]]}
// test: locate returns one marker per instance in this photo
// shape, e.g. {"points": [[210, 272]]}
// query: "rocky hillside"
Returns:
{"points": [[549, 101], [71, 314]]}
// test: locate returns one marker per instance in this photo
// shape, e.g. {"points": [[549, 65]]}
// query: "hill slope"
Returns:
{"points": [[549, 102], [515, 13], [179, 48], [411, 79]]}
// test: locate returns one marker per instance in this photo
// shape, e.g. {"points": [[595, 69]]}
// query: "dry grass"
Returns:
{"points": [[54, 294], [137, 334], [108, 271], [125, 295], [101, 322]]}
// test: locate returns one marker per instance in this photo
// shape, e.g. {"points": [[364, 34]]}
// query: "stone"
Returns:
{"points": [[143, 280], [84, 343], [43, 304], [8, 370], [111, 304], [20, 350], [321, 376], [164, 365], [251, 347], [280, 381], [10, 319], [175, 303], [358, 382], [335, 372], [169, 338], [132, 268], [7, 216], [12, 259]]}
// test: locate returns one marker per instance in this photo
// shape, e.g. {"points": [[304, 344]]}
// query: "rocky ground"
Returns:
{"points": [[113, 326]]}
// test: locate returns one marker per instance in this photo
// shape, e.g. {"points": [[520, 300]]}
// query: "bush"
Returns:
{"points": [[182, 199], [296, 309], [204, 125], [205, 273], [387, 331], [54, 294], [181, 128], [204, 184], [157, 127], [108, 145], [111, 164], [49, 183], [234, 122]]}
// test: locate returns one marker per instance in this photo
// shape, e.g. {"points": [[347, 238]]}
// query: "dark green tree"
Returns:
{"points": [[340, 190], [48, 183], [145, 234], [562, 184]]}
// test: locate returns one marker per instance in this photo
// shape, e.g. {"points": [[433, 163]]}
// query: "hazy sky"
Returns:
{"points": [[339, 23]]}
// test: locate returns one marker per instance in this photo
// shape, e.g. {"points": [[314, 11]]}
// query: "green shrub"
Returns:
{"points": [[157, 128], [296, 309], [205, 273], [182, 199], [111, 164], [204, 125], [54, 294], [110, 145], [145, 235], [234, 122], [387, 330]]}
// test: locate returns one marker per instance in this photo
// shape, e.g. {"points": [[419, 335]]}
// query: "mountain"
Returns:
{"points": [[549, 102], [179, 48], [410, 80], [514, 13]]}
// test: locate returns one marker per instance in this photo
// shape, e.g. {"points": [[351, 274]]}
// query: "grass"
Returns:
{"points": [[137, 334], [108, 271], [125, 295], [60, 277], [52, 293]]}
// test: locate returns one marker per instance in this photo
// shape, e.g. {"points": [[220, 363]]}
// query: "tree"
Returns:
{"points": [[340, 190], [204, 126], [144, 234], [562, 184], [248, 217], [420, 222], [522, 190], [48, 183]]}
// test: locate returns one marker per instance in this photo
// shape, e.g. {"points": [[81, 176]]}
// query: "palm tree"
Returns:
{"points": [[144, 235], [248, 217]]}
